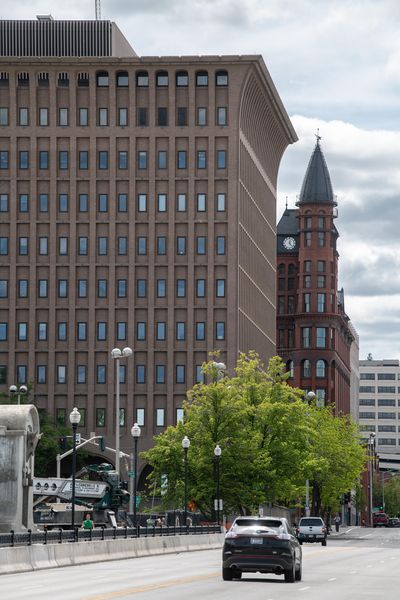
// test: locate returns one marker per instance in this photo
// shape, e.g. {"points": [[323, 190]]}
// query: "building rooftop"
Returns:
{"points": [[317, 187]]}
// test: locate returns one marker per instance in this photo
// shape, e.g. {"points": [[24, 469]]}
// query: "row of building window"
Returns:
{"points": [[381, 389], [121, 288], [103, 203], [381, 428], [101, 417], [381, 415], [122, 159], [43, 247], [121, 327], [381, 402], [122, 116], [122, 79], [61, 373], [310, 337], [307, 366], [380, 376]]}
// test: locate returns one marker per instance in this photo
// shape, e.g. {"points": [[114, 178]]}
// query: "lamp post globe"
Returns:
{"points": [[21, 390], [135, 433], [74, 417]]}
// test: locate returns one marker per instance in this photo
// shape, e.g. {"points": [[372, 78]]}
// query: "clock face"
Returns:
{"points": [[289, 243]]}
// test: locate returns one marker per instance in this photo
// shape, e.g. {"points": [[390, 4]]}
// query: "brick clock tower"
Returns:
{"points": [[313, 334]]}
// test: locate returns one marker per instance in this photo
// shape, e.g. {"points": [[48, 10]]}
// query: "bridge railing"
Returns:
{"points": [[60, 536]]}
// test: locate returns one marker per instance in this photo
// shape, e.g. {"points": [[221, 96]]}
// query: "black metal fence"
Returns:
{"points": [[60, 536]]}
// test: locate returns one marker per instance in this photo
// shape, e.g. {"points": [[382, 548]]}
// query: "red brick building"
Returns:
{"points": [[313, 334]]}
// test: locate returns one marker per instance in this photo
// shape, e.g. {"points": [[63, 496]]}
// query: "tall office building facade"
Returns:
{"points": [[379, 408], [138, 208]]}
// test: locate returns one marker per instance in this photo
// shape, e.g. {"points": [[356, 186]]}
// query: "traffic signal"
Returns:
{"points": [[102, 444], [62, 442]]}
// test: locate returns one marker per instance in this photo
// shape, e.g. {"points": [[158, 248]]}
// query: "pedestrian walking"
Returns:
{"points": [[337, 523], [88, 522]]}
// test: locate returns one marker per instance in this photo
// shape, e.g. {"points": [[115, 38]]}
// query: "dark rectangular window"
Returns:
{"points": [[83, 159], [182, 159], [180, 331], [62, 331], [142, 245], [162, 116], [220, 245], [142, 118], [141, 288], [161, 245], [63, 157], [181, 288], [220, 288], [122, 285], [200, 331], [180, 373], [161, 331], [102, 288], [83, 203], [122, 159], [141, 331], [43, 203], [23, 288], [201, 159], [200, 288], [160, 373], [220, 330], [122, 245], [43, 159], [142, 159], [122, 117], [3, 202], [221, 159], [23, 162], [161, 288], [83, 117], [103, 203], [3, 159], [63, 203], [182, 116], [122, 202], [82, 288], [201, 242], [181, 245], [103, 159], [162, 159]]}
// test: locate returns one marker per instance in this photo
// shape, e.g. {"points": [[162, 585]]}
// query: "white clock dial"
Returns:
{"points": [[289, 243]]}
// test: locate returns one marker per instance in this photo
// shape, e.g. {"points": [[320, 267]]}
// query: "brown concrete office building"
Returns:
{"points": [[138, 204]]}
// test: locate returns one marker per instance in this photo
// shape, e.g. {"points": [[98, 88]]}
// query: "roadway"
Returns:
{"points": [[356, 564]]}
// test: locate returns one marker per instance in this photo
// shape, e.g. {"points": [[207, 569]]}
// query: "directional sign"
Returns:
{"points": [[218, 504], [131, 473], [58, 486]]}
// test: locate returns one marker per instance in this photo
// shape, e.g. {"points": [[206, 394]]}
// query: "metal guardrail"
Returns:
{"points": [[60, 536]]}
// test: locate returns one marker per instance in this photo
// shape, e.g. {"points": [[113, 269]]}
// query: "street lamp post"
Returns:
{"points": [[185, 446], [117, 354], [371, 444], [220, 368], [20, 391], [74, 417], [217, 454], [309, 397], [135, 432]]}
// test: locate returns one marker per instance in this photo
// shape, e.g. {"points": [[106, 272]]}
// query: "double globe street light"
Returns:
{"points": [[217, 454], [185, 446], [135, 432], [22, 390], [117, 353]]}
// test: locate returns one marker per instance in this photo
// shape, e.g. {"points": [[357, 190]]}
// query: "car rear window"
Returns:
{"points": [[274, 523], [309, 522]]}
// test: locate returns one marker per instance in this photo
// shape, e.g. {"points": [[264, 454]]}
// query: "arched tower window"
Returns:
{"points": [[306, 368], [321, 368]]}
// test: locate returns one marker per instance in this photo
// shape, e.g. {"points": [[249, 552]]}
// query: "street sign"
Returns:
{"points": [[58, 486], [137, 501], [78, 439], [218, 504], [131, 473]]}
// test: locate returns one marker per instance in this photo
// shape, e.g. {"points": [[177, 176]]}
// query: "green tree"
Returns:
{"points": [[392, 495], [270, 440]]}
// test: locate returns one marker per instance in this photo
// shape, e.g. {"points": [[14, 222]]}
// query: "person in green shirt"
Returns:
{"points": [[88, 523]]}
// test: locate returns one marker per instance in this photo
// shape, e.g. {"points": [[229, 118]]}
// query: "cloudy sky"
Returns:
{"points": [[336, 64]]}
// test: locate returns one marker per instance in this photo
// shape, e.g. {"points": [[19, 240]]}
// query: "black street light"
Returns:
{"points": [[135, 432], [185, 446], [74, 417], [217, 454]]}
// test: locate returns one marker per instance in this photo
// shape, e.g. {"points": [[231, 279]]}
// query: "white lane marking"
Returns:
{"points": [[382, 562], [332, 579], [369, 566], [304, 589], [353, 572]]}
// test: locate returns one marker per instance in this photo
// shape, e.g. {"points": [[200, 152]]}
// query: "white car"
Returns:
{"points": [[311, 529]]}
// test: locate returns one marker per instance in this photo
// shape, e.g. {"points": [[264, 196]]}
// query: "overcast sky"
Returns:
{"points": [[336, 65]]}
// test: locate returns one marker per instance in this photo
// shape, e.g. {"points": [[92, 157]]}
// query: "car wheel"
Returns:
{"points": [[323, 543], [227, 574], [237, 574], [290, 574], [298, 573]]}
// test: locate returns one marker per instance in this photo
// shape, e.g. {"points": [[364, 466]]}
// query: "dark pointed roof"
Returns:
{"points": [[317, 187], [289, 222]]}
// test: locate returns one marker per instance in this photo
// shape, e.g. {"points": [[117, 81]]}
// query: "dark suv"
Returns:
{"points": [[264, 545]]}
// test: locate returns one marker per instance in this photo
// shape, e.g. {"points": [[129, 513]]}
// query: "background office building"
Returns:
{"points": [[137, 208], [379, 408]]}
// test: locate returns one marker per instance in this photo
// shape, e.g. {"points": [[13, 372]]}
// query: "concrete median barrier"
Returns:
{"points": [[39, 556]]}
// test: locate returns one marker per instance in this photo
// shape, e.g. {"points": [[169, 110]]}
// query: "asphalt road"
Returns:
{"points": [[356, 564]]}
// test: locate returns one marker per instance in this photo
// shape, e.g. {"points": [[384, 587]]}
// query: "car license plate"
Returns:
{"points": [[256, 540]]}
